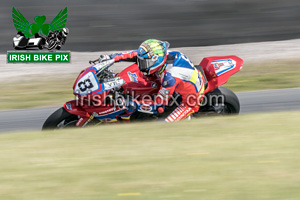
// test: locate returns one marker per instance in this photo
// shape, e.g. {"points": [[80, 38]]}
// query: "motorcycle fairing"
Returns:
{"points": [[223, 66], [73, 108], [106, 113], [218, 69], [111, 115], [87, 83]]}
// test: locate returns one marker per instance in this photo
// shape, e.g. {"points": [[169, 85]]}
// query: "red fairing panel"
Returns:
{"points": [[218, 69], [137, 84], [73, 108]]}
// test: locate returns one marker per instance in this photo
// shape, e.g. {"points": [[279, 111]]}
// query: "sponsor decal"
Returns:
{"points": [[223, 66], [68, 106], [164, 92], [79, 121], [165, 83], [95, 114], [146, 108], [133, 77], [218, 65], [104, 112], [113, 84], [153, 85]]}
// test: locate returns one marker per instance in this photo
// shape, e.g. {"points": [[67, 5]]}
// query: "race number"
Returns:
{"points": [[87, 84], [84, 85]]}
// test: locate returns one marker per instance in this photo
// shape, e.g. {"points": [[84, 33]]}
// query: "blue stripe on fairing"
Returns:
{"points": [[225, 70]]}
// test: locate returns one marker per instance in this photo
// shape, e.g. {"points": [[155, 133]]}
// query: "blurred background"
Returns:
{"points": [[117, 25]]}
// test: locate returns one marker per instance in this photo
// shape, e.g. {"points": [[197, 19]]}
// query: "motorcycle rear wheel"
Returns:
{"points": [[227, 105]]}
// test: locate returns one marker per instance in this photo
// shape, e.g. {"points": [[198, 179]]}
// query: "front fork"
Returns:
{"points": [[83, 121]]}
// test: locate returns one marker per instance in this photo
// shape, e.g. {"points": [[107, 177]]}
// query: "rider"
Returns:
{"points": [[176, 72]]}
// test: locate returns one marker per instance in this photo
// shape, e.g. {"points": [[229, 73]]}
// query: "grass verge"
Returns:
{"points": [[38, 93], [54, 91], [266, 76], [249, 157]]}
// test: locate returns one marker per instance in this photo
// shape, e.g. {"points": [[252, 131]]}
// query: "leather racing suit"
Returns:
{"points": [[178, 75]]}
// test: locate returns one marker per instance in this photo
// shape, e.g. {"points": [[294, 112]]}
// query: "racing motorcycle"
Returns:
{"points": [[56, 39], [106, 97]]}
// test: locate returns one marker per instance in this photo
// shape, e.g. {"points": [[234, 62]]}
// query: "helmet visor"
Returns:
{"points": [[145, 63]]}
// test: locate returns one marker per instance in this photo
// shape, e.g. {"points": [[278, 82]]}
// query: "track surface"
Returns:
{"points": [[257, 101]]}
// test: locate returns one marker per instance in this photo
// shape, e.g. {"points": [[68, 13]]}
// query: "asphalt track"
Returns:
{"points": [[256, 101]]}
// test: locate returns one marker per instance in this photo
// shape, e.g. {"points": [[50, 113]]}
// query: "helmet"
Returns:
{"points": [[65, 32], [152, 55]]}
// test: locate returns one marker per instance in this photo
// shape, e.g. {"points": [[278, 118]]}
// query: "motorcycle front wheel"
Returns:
{"points": [[51, 45], [60, 119]]}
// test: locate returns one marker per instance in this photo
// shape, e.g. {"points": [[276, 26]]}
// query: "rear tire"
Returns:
{"points": [[226, 102], [231, 101], [60, 119]]}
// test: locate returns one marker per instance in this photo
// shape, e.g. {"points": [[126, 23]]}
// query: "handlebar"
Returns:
{"points": [[101, 58], [94, 61]]}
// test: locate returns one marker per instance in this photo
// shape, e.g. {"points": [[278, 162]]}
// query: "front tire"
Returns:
{"points": [[60, 119], [51, 45]]}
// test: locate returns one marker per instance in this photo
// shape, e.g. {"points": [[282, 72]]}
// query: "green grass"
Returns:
{"points": [[54, 91], [249, 157], [38, 93], [265, 76]]}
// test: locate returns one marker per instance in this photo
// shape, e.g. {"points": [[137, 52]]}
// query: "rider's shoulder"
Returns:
{"points": [[175, 54], [180, 60]]}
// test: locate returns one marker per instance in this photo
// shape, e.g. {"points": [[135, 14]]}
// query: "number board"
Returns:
{"points": [[87, 84]]}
